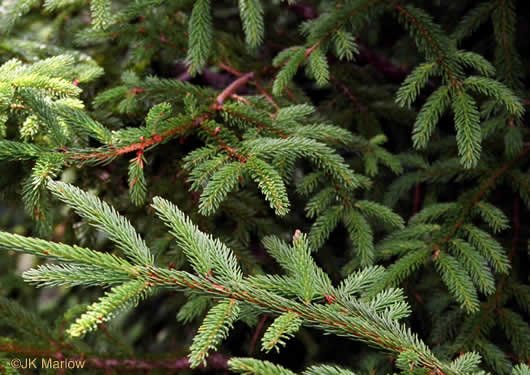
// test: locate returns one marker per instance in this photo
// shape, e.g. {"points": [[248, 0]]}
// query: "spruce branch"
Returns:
{"points": [[13, 11], [228, 126], [433, 42], [469, 266], [483, 190], [103, 310], [204, 253], [214, 328], [253, 24], [52, 275], [136, 180], [104, 217], [327, 370], [26, 323], [63, 252], [471, 21], [271, 185], [495, 300], [251, 366], [101, 13], [281, 329], [200, 31], [508, 60], [384, 334], [105, 154], [373, 323]]}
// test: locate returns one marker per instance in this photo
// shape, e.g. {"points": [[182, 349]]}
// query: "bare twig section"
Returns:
{"points": [[233, 87], [257, 332]]}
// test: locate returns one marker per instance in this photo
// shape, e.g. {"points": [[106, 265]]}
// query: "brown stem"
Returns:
{"points": [[256, 83], [229, 69], [266, 95], [257, 332], [233, 87]]}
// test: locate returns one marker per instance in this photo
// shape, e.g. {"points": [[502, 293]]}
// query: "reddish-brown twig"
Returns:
{"points": [[233, 87], [256, 334]]}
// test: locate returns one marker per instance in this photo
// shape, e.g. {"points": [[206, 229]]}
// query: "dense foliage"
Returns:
{"points": [[346, 181]]}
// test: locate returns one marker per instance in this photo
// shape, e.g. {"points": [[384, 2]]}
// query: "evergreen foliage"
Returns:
{"points": [[347, 177]]}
